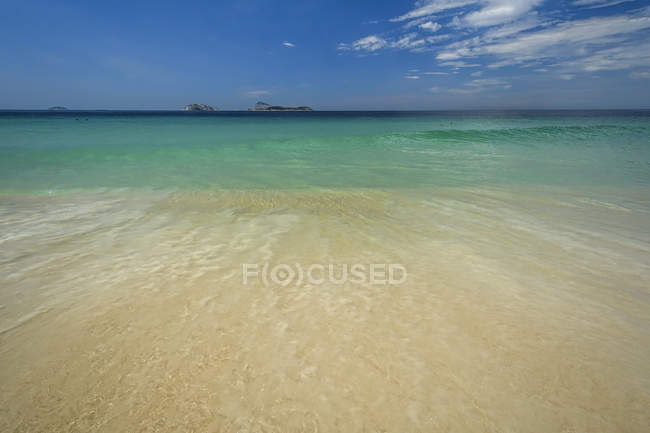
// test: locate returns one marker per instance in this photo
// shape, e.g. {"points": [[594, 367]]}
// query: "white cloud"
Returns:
{"points": [[434, 39], [412, 77], [501, 64], [458, 49], [499, 33], [484, 82], [565, 40], [499, 12], [567, 77], [416, 22], [456, 23], [460, 64], [430, 7], [431, 26], [623, 56], [637, 75], [435, 89], [369, 43], [464, 91], [480, 85], [436, 73], [476, 74], [493, 12], [408, 41], [594, 4], [588, 31], [526, 23], [256, 93], [288, 44]]}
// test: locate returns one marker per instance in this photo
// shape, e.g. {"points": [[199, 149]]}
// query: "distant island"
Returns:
{"points": [[57, 108], [199, 107], [263, 106]]}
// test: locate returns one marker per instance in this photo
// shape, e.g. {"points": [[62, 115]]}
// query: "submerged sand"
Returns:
{"points": [[524, 310]]}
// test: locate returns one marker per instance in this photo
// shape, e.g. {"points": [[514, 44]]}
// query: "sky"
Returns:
{"points": [[331, 55]]}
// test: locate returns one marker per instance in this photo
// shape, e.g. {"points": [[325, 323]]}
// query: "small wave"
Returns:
{"points": [[23, 319], [530, 133]]}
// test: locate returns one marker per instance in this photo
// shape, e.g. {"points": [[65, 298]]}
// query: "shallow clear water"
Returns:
{"points": [[53, 152], [525, 236]]}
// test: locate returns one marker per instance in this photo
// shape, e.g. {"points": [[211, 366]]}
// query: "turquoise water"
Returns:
{"points": [[46, 152]]}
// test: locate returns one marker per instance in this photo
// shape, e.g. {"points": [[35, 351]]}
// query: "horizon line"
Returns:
{"points": [[69, 110]]}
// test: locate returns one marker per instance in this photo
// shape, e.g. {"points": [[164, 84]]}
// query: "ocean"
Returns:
{"points": [[173, 271]]}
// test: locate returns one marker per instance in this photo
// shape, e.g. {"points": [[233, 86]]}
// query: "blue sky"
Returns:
{"points": [[426, 54]]}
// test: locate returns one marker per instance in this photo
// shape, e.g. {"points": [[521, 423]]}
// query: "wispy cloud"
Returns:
{"points": [[412, 77], [499, 12], [288, 44], [566, 40], [430, 7], [465, 90], [595, 4], [638, 75], [530, 35], [369, 43], [529, 22], [484, 82], [257, 93], [480, 85], [624, 56], [431, 26], [408, 41], [460, 64]]}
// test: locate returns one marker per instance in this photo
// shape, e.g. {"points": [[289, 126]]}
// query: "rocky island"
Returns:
{"points": [[57, 108], [199, 107], [263, 106]]}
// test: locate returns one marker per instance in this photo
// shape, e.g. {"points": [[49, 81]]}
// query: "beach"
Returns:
{"points": [[525, 305]]}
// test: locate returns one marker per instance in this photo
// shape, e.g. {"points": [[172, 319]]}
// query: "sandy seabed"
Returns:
{"points": [[524, 310]]}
